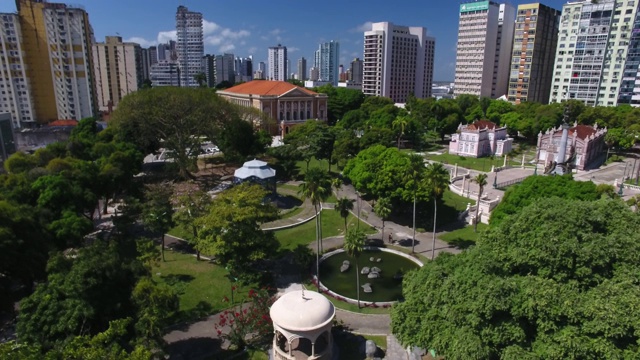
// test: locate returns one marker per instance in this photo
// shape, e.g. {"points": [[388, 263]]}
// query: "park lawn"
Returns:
{"points": [[480, 164], [180, 232], [291, 213], [290, 187], [201, 285], [464, 237], [456, 201], [332, 225], [331, 199]]}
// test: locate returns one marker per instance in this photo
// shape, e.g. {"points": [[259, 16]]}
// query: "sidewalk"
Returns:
{"points": [[423, 240]]}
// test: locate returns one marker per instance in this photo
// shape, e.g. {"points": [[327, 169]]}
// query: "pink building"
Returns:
{"points": [[482, 138], [585, 146]]}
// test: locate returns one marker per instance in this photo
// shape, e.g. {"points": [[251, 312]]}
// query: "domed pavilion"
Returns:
{"points": [[302, 323]]}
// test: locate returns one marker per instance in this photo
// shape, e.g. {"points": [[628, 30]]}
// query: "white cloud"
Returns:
{"points": [[292, 49], [252, 50], [363, 27], [276, 32], [227, 48], [141, 41], [209, 27], [165, 36]]}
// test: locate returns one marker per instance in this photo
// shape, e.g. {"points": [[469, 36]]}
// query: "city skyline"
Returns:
{"points": [[254, 32]]}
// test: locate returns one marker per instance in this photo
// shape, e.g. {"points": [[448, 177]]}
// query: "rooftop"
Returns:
{"points": [[266, 87], [301, 310]]}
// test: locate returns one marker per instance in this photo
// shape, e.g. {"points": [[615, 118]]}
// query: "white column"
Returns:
{"points": [[455, 170], [505, 161]]}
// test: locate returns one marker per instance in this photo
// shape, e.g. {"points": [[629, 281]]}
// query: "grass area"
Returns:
{"points": [[456, 201], [289, 187], [291, 213], [380, 340], [465, 237], [200, 285], [331, 199], [180, 232], [323, 164], [480, 164], [332, 225]]}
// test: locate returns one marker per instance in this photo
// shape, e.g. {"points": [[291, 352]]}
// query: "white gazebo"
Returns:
{"points": [[258, 172], [302, 323]]}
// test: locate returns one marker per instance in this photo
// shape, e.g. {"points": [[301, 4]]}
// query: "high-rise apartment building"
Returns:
{"points": [[224, 69], [190, 45], [302, 69], [278, 63], [48, 51], [166, 52], [165, 73], [153, 55], [314, 74], [355, 71], [483, 57], [243, 69], [398, 61], [593, 61], [145, 58], [16, 98], [118, 68], [327, 61], [630, 88], [534, 47], [209, 62]]}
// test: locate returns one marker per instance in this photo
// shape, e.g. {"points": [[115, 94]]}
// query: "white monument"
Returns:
{"points": [[302, 323]]}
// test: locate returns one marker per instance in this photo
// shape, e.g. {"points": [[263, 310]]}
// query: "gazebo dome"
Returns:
{"points": [[302, 311], [256, 168]]}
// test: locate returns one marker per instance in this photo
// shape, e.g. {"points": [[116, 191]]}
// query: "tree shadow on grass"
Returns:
{"points": [[461, 243]]}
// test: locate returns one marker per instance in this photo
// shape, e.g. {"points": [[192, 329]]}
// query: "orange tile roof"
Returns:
{"points": [[582, 131], [63, 123], [481, 124], [266, 87]]}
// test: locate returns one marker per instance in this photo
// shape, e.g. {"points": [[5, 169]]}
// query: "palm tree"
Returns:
{"points": [[401, 122], [317, 188], [201, 79], [344, 206], [336, 183], [437, 178], [481, 180], [414, 176], [383, 209], [353, 245]]}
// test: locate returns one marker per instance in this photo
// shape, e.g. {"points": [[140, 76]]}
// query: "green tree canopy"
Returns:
{"points": [[231, 231], [558, 281], [172, 118], [537, 187]]}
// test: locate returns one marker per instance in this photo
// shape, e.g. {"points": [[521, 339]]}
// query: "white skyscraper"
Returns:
{"points": [[327, 61], [278, 63], [597, 56], [398, 61], [485, 39], [190, 46]]}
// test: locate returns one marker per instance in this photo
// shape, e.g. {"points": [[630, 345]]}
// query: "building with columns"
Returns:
{"points": [[287, 104], [481, 138]]}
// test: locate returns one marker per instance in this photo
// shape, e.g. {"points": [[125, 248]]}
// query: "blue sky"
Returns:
{"points": [[249, 27]]}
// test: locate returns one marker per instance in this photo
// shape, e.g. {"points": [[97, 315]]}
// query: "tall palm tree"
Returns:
{"points": [[400, 122], [317, 188], [413, 179], [437, 178], [336, 183], [481, 180], [383, 209], [354, 245], [343, 206]]}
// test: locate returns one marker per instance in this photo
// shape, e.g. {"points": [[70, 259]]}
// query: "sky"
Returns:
{"points": [[249, 27]]}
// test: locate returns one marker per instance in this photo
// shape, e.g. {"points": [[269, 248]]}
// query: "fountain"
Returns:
{"points": [[381, 272]]}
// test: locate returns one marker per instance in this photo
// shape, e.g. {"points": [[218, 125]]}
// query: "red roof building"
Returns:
{"points": [[585, 146], [287, 104]]}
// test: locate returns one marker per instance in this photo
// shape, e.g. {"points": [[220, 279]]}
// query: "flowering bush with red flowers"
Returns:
{"points": [[249, 323]]}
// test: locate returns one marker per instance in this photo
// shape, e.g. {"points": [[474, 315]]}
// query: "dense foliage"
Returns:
{"points": [[535, 188], [558, 280]]}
